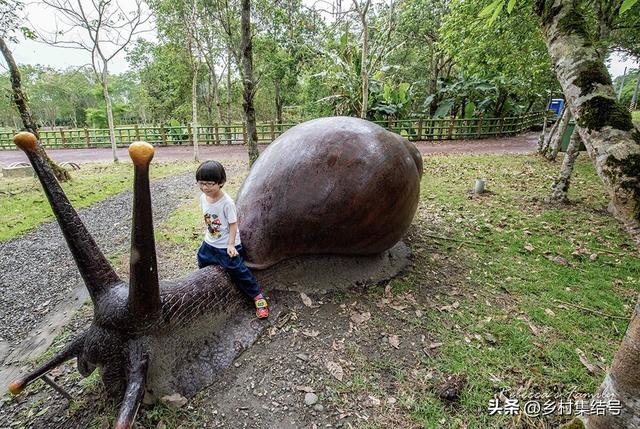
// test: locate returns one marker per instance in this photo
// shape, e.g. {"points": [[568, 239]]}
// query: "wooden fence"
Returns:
{"points": [[163, 135]]}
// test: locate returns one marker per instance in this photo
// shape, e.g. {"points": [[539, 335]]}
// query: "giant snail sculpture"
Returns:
{"points": [[339, 186]]}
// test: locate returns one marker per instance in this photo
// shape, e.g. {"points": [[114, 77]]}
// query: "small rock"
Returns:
{"points": [[310, 398], [302, 357], [176, 400], [391, 400], [318, 407], [593, 256]]}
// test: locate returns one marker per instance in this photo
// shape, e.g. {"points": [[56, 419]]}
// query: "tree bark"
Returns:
{"points": [[622, 382], [20, 99], [634, 97], [194, 111], [229, 86], [364, 72], [543, 135], [546, 140], [104, 77], [247, 81], [556, 141], [192, 43], [560, 188], [604, 125], [278, 98]]}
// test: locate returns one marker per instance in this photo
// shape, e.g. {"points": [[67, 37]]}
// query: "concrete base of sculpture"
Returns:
{"points": [[326, 273], [187, 360], [20, 171]]}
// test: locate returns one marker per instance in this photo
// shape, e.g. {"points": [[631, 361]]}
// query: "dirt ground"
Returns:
{"points": [[377, 336], [524, 143]]}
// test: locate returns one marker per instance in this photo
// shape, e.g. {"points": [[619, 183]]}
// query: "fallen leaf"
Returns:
{"points": [[593, 369], [529, 247], [307, 389], [311, 333], [360, 318], [398, 307], [335, 370], [394, 341], [372, 401], [534, 329], [305, 299], [450, 307], [435, 345], [490, 338], [560, 260], [549, 312], [418, 313], [387, 291]]}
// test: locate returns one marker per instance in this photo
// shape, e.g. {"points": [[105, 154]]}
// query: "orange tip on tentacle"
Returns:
{"points": [[25, 141], [16, 387], [141, 153]]}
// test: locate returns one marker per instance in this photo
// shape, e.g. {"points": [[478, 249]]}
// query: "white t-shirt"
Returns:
{"points": [[217, 217]]}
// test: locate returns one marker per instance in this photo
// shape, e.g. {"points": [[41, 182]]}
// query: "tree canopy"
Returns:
{"points": [[423, 57]]}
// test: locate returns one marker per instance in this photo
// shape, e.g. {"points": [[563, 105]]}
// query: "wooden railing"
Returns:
{"points": [[163, 135]]}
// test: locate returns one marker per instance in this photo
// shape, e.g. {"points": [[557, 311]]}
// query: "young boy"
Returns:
{"points": [[221, 245]]}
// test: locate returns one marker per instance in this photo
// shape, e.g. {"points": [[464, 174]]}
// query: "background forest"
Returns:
{"points": [[421, 58]]}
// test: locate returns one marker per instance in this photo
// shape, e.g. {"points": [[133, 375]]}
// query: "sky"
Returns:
{"points": [[45, 20], [33, 52]]}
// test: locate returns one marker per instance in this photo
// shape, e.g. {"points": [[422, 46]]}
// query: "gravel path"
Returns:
{"points": [[38, 271]]}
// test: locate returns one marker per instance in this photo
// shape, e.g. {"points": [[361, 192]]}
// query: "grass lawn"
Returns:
{"points": [[504, 294], [530, 290], [24, 206]]}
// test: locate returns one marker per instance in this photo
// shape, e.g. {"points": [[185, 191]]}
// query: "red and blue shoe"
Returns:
{"points": [[262, 308]]}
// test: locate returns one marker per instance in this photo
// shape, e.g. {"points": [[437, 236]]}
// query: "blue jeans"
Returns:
{"points": [[242, 277]]}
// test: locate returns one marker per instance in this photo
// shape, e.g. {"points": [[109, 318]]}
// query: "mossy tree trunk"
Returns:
{"points": [[556, 140], [604, 124], [614, 146], [560, 188], [545, 140], [622, 382], [25, 113]]}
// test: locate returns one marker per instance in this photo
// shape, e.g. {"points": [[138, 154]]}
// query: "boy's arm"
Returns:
{"points": [[231, 248]]}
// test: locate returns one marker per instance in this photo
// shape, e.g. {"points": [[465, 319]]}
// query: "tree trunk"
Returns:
{"points": [[634, 98], [247, 81], [194, 111], [228, 86], [278, 96], [556, 141], [20, 99], [546, 141], [107, 101], [543, 136], [560, 188], [622, 382], [364, 73], [624, 75], [605, 126]]}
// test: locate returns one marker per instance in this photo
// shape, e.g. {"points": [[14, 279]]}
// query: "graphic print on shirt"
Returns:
{"points": [[213, 224]]}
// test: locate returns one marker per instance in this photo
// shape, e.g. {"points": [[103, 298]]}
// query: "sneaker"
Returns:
{"points": [[262, 308]]}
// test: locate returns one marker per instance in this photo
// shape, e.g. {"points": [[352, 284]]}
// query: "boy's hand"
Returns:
{"points": [[231, 251]]}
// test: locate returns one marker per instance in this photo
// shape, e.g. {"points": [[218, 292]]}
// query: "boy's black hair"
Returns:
{"points": [[211, 171]]}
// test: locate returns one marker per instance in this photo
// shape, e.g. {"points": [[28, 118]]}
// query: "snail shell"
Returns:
{"points": [[336, 185]]}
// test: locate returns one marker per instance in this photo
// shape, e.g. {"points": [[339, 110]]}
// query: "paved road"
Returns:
{"points": [[524, 143]]}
